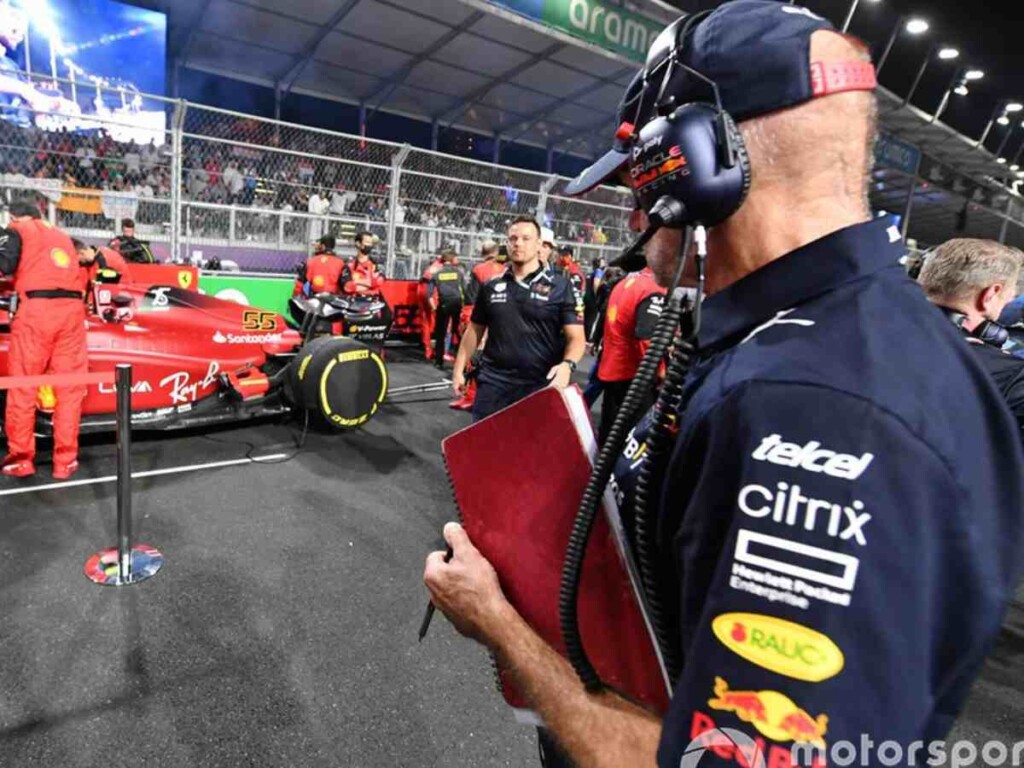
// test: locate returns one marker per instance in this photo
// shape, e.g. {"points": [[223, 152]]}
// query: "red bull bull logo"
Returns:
{"points": [[773, 714]]}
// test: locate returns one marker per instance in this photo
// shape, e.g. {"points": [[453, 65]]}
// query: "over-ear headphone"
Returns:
{"points": [[988, 331], [690, 164]]}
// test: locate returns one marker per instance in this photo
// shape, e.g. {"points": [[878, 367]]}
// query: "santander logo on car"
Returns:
{"points": [[245, 338]]}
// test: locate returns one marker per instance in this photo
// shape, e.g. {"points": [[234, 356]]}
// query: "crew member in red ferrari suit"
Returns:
{"points": [[47, 336], [426, 311], [93, 261], [361, 276], [633, 310], [322, 272], [492, 266]]}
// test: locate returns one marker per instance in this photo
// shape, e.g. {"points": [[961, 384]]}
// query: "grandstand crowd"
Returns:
{"points": [[248, 163]]}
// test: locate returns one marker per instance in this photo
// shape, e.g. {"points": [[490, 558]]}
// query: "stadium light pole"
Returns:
{"points": [[1001, 114], [1002, 144], [913, 27], [851, 11], [1015, 165], [957, 85], [944, 53]]}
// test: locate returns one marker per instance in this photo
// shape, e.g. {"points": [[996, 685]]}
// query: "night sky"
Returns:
{"points": [[984, 31]]}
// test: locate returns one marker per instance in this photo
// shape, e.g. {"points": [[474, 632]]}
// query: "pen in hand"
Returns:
{"points": [[431, 607]]}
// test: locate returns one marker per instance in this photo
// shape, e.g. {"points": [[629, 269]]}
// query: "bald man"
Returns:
{"points": [[834, 545]]}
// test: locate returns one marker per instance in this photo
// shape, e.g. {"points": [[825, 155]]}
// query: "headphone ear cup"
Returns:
{"points": [[992, 333], [742, 156]]}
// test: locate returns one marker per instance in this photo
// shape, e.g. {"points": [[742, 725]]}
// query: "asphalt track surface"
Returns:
{"points": [[282, 628]]}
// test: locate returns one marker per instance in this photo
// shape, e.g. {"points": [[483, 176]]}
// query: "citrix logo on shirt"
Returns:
{"points": [[812, 458], [788, 506]]}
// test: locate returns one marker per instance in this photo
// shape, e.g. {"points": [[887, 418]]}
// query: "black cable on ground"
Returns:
{"points": [[251, 448]]}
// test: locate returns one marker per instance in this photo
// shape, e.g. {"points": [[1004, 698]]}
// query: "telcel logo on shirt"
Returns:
{"points": [[811, 457], [780, 646]]}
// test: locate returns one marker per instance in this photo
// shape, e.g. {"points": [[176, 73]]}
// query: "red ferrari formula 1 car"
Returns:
{"points": [[199, 360]]}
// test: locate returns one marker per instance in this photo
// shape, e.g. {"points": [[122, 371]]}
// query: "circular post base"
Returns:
{"points": [[102, 568]]}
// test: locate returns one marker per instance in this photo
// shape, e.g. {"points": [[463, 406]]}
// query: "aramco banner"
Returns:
{"points": [[598, 23]]}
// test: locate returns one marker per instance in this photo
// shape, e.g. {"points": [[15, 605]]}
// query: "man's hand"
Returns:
{"points": [[466, 588], [458, 381], [560, 375]]}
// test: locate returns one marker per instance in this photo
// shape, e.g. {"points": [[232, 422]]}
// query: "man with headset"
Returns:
{"points": [[828, 566], [972, 281]]}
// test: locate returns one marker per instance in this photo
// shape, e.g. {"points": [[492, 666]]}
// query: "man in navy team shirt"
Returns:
{"points": [[835, 544]]}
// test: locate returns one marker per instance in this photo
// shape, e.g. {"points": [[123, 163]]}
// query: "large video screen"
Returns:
{"points": [[82, 65]]}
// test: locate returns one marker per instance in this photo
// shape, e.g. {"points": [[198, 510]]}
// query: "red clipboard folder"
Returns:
{"points": [[517, 477]]}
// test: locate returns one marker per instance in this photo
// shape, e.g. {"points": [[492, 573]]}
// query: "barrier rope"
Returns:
{"points": [[55, 380]]}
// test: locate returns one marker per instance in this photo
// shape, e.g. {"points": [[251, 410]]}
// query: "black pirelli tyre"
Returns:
{"points": [[340, 378]]}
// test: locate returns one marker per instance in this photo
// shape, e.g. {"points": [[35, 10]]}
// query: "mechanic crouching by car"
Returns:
{"points": [[47, 336], [972, 281], [100, 262], [361, 276], [322, 272], [534, 333], [833, 428]]}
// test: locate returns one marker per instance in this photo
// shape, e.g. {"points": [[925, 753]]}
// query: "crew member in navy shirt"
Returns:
{"points": [[534, 328], [836, 544]]}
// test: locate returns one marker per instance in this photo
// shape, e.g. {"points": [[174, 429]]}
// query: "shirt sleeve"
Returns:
{"points": [[10, 251], [826, 582], [648, 312], [479, 315]]}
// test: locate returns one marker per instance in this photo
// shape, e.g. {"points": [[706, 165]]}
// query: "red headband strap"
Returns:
{"points": [[840, 76]]}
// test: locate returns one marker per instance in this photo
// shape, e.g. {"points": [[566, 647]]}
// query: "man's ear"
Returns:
{"points": [[988, 297]]}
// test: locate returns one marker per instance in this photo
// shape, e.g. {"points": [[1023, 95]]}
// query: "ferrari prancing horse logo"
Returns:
{"points": [[185, 279]]}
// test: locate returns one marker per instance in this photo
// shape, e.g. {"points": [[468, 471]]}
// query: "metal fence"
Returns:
{"points": [[253, 193], [205, 183]]}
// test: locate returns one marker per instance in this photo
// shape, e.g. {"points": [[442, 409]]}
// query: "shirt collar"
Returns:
{"points": [[526, 282], [813, 269]]}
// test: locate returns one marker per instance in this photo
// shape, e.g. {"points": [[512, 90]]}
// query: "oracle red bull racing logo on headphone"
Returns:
{"points": [[659, 165]]}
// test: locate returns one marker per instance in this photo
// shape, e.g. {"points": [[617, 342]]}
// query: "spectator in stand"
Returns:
{"points": [[150, 155], [132, 161], [198, 179], [234, 182], [341, 199], [547, 250], [317, 206]]}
